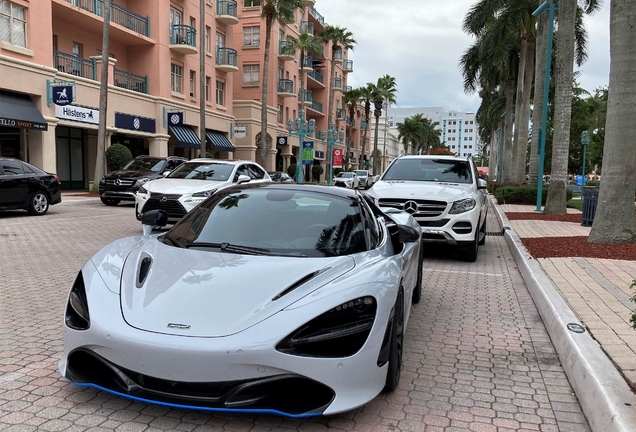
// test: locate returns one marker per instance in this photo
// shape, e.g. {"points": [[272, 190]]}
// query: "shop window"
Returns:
{"points": [[12, 23], [177, 76]]}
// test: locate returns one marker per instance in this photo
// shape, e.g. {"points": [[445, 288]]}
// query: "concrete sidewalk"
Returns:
{"points": [[600, 363]]}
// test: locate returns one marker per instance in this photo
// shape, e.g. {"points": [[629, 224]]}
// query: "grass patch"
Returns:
{"points": [[576, 203]]}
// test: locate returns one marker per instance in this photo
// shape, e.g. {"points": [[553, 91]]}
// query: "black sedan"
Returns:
{"points": [[25, 187]]}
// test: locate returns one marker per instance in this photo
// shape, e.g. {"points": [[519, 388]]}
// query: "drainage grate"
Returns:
{"points": [[495, 233]]}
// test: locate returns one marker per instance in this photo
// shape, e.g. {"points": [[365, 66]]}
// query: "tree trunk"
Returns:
{"points": [[103, 101], [614, 221], [523, 119], [364, 134], [517, 173], [492, 158], [506, 156], [262, 147], [330, 102], [376, 159], [556, 202], [202, 49], [386, 130], [539, 83], [301, 110]]}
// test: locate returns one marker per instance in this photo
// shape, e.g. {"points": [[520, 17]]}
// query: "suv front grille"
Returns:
{"points": [[120, 182], [166, 202], [425, 208]]}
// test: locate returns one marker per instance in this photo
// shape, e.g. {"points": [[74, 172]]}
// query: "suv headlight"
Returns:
{"points": [[142, 190], [141, 181], [463, 206], [201, 196]]}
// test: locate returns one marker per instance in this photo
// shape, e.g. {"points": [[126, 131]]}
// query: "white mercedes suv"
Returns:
{"points": [[445, 196], [192, 183]]}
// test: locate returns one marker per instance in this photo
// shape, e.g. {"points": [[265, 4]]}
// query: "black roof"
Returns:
{"points": [[160, 157]]}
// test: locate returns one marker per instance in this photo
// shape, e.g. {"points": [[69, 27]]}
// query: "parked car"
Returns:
{"points": [[26, 187], [280, 176], [123, 184], [232, 310], [347, 179], [445, 196], [365, 179], [192, 183]]}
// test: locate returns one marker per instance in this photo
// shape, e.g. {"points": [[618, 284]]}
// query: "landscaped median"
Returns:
{"points": [[589, 283]]}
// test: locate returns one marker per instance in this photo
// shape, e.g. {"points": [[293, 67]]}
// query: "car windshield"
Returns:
{"points": [[362, 173], [434, 170], [280, 221], [145, 164], [345, 175], [203, 171]]}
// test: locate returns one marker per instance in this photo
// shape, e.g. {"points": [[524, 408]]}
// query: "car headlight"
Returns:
{"points": [[201, 196], [141, 181], [463, 206], [77, 316], [339, 332], [143, 190]]}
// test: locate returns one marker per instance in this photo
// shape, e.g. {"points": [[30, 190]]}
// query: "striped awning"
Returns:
{"points": [[220, 141], [185, 136]]}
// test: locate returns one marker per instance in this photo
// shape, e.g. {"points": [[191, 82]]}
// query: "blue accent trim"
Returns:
{"points": [[190, 407]]}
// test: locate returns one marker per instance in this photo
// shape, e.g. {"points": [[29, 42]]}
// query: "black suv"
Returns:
{"points": [[123, 184]]}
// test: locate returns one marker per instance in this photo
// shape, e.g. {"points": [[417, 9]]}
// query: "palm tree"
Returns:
{"points": [[409, 133], [385, 90], [103, 100], [430, 135], [390, 82], [340, 39], [366, 94], [614, 221], [272, 10], [350, 100]]}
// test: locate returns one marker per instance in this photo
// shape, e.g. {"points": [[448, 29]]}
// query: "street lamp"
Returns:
{"points": [[332, 136], [585, 140], [301, 128], [546, 88]]}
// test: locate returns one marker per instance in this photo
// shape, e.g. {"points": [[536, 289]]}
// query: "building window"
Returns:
{"points": [[55, 42], [208, 81], [193, 78], [251, 36], [220, 40], [279, 115], [251, 3], [251, 74], [193, 23], [12, 23], [207, 39], [220, 93], [286, 114], [177, 76], [175, 16]]}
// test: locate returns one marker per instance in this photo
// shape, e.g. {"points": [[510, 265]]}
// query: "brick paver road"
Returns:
{"points": [[477, 356]]}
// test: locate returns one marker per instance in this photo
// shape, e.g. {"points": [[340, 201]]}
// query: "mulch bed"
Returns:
{"points": [[576, 218], [555, 247]]}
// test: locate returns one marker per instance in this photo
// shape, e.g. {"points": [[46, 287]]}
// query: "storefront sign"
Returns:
{"points": [[281, 141], [320, 154], [308, 152], [240, 131], [175, 118], [337, 158], [22, 124], [77, 113], [62, 95], [135, 123]]}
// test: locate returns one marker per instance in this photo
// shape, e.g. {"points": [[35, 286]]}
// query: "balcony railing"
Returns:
{"points": [[337, 83], [307, 98], [348, 66], [181, 34], [74, 65], [347, 88], [314, 12], [285, 86], [119, 15], [226, 7], [317, 76], [131, 81], [307, 27], [226, 57], [317, 106], [338, 56], [286, 48], [308, 62]]}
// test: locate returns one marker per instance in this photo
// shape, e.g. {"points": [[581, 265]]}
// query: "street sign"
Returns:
{"points": [[240, 131], [175, 118], [281, 141], [62, 95], [337, 158], [308, 152]]}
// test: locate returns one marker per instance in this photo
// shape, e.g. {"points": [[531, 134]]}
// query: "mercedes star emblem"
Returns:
{"points": [[410, 207], [164, 199], [118, 182]]}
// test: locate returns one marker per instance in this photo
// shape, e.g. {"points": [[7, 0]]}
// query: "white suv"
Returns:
{"points": [[192, 183], [445, 196]]}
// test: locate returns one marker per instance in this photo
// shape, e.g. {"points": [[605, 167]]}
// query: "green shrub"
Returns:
{"points": [[523, 195], [316, 172], [117, 156], [291, 170], [209, 155], [593, 183], [493, 186], [337, 171]]}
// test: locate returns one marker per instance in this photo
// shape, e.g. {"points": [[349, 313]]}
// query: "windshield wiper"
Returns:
{"points": [[171, 240], [249, 250]]}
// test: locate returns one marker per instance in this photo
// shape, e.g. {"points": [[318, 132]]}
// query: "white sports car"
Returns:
{"points": [[267, 298]]}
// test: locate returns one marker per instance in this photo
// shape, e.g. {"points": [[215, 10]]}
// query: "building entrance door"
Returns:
{"points": [[69, 143]]}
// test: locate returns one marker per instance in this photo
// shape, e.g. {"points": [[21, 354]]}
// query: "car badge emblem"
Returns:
{"points": [[118, 182], [179, 326], [164, 199], [410, 207]]}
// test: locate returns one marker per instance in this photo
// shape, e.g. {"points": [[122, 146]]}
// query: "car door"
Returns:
{"points": [[241, 170], [256, 173], [15, 184]]}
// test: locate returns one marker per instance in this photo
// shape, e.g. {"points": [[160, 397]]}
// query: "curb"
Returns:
{"points": [[605, 397]]}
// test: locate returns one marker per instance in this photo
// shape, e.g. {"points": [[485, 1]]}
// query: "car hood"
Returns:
{"points": [[181, 186], [421, 190], [132, 174], [342, 179], [205, 293]]}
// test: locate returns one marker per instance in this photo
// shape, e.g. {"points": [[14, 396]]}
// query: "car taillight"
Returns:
{"points": [[57, 179]]}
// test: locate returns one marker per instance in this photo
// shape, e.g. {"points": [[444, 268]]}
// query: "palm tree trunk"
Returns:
{"points": [[103, 101], [506, 157], [556, 202], [202, 49], [376, 159], [330, 102], [516, 178], [386, 127], [492, 158], [614, 221], [262, 148], [523, 119], [364, 137], [301, 97], [539, 84]]}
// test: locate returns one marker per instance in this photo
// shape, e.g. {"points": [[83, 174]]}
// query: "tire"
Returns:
{"points": [[483, 231], [39, 204], [417, 291], [470, 253], [396, 348], [110, 201]]}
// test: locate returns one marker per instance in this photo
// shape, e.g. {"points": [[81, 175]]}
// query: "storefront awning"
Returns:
{"points": [[19, 111], [220, 141], [185, 137]]}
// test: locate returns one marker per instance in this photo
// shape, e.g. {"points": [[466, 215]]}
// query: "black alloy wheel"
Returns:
{"points": [[110, 201], [470, 253], [396, 348]]}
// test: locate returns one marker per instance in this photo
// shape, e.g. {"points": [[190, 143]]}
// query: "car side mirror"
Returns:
{"points": [[243, 179], [376, 178], [165, 173], [482, 184], [153, 218], [408, 234]]}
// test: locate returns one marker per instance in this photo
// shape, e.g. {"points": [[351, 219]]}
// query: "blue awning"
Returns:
{"points": [[185, 137], [220, 141]]}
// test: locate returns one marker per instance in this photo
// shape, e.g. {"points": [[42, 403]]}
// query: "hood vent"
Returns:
{"points": [[299, 283], [144, 269]]}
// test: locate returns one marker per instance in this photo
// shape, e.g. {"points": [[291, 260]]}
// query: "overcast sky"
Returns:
{"points": [[419, 42]]}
